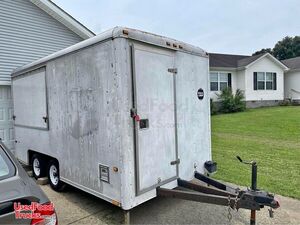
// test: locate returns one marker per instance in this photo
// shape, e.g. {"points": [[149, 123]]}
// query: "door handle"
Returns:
{"points": [[134, 115], [175, 162], [144, 123]]}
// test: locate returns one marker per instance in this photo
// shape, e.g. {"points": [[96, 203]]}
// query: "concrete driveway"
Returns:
{"points": [[77, 207]]}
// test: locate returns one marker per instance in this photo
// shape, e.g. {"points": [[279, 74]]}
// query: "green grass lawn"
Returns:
{"points": [[271, 136]]}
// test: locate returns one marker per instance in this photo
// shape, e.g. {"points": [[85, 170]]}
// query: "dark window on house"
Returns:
{"points": [[219, 81], [264, 81]]}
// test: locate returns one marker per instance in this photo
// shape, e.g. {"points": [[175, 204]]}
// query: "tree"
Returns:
{"points": [[296, 44], [284, 49], [263, 50], [288, 47]]}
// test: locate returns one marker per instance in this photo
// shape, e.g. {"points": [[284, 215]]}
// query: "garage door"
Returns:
{"points": [[6, 114]]}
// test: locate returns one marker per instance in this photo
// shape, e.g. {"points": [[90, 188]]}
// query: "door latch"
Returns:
{"points": [[175, 162], [134, 115]]}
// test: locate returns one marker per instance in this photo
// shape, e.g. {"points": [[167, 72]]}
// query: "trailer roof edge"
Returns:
{"points": [[116, 32]]}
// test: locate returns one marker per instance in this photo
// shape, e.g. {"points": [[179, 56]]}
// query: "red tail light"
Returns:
{"points": [[48, 215]]}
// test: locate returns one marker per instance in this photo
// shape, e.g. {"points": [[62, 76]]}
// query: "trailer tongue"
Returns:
{"points": [[223, 194]]}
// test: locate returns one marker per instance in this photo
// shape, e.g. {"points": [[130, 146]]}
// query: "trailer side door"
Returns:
{"points": [[155, 132]]}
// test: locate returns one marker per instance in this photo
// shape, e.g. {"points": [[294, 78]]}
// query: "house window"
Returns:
{"points": [[223, 77], [264, 81], [214, 80], [260, 81], [269, 81], [219, 81]]}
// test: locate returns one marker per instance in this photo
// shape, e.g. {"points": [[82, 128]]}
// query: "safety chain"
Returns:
{"points": [[229, 216], [235, 203]]}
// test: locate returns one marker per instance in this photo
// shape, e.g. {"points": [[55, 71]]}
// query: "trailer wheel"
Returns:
{"points": [[53, 176], [38, 166]]}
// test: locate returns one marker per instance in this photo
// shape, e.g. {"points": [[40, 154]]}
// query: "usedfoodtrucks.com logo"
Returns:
{"points": [[32, 211]]}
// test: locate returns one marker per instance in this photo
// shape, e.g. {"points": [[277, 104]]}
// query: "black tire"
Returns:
{"points": [[38, 166], [53, 176]]}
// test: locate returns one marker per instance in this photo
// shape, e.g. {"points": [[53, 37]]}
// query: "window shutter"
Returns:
{"points": [[255, 80], [274, 81], [229, 80]]}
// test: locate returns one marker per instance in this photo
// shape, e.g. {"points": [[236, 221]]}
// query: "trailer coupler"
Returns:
{"points": [[248, 199]]}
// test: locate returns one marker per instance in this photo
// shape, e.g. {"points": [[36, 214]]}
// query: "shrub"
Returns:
{"points": [[296, 103], [240, 104], [230, 102], [213, 108], [286, 102]]}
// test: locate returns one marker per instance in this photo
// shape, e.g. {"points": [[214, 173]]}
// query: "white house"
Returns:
{"points": [[29, 30], [292, 79], [260, 77]]}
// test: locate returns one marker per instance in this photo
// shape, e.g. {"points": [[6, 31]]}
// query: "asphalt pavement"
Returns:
{"points": [[77, 207]]}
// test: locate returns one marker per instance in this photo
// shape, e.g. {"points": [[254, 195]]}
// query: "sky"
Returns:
{"points": [[220, 26]]}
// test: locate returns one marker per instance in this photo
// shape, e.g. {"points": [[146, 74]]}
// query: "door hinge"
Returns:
{"points": [[175, 162], [172, 70]]}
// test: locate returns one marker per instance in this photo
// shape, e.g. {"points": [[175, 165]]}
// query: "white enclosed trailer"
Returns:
{"points": [[121, 114]]}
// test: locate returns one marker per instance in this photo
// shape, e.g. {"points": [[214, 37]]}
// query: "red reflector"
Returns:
{"points": [[137, 118]]}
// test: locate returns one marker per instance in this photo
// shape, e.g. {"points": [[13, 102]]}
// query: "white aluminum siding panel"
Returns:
{"points": [[27, 33]]}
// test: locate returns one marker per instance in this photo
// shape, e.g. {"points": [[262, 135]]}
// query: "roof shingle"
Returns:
{"points": [[241, 61], [232, 61], [225, 60], [248, 60], [293, 63]]}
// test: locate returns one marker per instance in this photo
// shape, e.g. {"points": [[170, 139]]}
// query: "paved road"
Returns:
{"points": [[77, 207]]}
